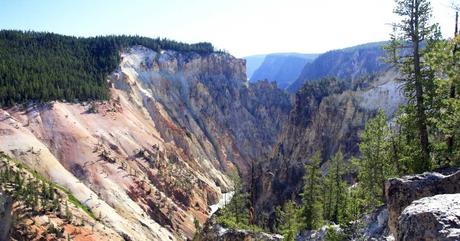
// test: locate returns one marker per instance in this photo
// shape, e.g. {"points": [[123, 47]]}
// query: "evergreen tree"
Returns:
{"points": [[445, 60], [336, 191], [312, 211], [236, 213], [414, 30], [287, 220], [42, 67], [68, 214], [239, 202], [334, 235], [376, 164]]}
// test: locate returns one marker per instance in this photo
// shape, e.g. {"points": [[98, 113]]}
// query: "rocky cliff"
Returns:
{"points": [[406, 215], [153, 158], [327, 117]]}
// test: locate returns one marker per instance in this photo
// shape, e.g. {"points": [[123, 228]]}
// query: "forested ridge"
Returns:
{"points": [[42, 67]]}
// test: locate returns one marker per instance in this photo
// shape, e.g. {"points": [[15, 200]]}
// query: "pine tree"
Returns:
{"points": [[287, 221], [235, 214], [312, 211], [68, 214], [445, 60], [18, 181], [414, 30], [376, 164], [239, 202], [197, 225], [336, 189], [334, 235]]}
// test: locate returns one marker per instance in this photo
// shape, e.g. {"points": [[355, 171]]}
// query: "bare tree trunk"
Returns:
{"points": [[252, 213], [450, 139], [424, 164]]}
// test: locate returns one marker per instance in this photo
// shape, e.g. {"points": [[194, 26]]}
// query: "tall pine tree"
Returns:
{"points": [[376, 164], [445, 60], [312, 211], [413, 33], [336, 191]]}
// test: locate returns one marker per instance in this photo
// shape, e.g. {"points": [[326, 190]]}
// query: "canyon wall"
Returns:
{"points": [[154, 157]]}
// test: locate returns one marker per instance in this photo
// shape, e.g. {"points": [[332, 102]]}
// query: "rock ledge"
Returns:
{"points": [[431, 218]]}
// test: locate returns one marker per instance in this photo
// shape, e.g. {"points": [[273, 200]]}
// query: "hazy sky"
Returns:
{"points": [[242, 27]]}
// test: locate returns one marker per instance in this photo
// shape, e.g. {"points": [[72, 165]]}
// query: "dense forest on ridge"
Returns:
{"points": [[42, 67]]}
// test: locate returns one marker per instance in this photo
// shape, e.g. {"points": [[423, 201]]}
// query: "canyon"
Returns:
{"points": [[154, 161], [156, 156]]}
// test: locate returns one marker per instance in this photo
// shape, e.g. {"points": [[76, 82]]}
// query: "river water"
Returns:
{"points": [[224, 200]]}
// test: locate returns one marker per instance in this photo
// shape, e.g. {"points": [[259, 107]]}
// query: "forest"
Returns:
{"points": [[42, 67], [423, 136]]}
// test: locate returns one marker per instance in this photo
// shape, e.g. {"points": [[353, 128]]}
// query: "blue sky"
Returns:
{"points": [[242, 27]]}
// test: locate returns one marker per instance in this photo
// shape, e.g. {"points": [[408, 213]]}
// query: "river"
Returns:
{"points": [[226, 197]]}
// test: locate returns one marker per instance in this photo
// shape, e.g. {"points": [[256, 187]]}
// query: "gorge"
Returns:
{"points": [[134, 138]]}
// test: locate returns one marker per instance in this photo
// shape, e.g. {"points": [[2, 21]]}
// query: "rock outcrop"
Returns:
{"points": [[372, 227], [6, 219], [435, 218], [401, 192], [212, 231], [316, 235]]}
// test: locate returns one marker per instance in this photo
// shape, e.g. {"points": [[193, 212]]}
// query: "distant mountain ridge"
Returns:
{"points": [[283, 68], [253, 62], [348, 64]]}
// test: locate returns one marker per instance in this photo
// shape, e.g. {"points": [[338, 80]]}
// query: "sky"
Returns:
{"points": [[241, 27]]}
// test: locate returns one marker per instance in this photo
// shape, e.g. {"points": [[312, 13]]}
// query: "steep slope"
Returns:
{"points": [[283, 68], [153, 158], [253, 62], [327, 116], [348, 64], [32, 208]]}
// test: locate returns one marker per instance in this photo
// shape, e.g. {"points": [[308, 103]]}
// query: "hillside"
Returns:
{"points": [[155, 156], [349, 64], [253, 63], [42, 67], [283, 68]]}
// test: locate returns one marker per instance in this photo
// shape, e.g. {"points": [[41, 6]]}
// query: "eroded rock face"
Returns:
{"points": [[326, 119], [153, 158], [6, 220], [401, 192], [434, 218]]}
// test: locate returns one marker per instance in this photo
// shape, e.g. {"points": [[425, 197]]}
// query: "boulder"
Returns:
{"points": [[372, 226], [213, 231], [6, 204], [434, 218], [401, 192], [317, 235]]}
